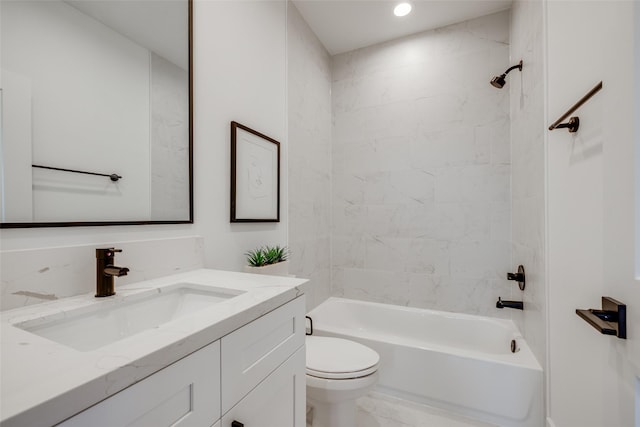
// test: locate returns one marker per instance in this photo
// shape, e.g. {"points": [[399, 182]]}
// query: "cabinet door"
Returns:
{"points": [[186, 393], [252, 352], [278, 401]]}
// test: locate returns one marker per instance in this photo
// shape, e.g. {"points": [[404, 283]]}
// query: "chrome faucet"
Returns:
{"points": [[106, 271]]}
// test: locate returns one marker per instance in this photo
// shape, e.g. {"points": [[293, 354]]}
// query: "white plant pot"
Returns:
{"points": [[277, 269]]}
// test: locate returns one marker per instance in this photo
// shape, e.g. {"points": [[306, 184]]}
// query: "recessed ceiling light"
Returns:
{"points": [[402, 9]]}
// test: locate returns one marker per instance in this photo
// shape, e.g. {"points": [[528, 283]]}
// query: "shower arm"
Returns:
{"points": [[518, 66]]}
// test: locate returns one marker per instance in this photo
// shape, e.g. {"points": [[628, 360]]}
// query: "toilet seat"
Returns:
{"points": [[337, 358]]}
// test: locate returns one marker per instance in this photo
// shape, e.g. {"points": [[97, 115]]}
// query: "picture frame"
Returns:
{"points": [[255, 176]]}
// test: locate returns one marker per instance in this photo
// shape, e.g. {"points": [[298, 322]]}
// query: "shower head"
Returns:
{"points": [[499, 81]]}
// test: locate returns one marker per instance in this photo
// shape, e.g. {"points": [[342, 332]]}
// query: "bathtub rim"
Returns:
{"points": [[523, 358]]}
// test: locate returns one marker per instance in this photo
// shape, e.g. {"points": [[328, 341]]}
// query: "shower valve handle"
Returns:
{"points": [[518, 277]]}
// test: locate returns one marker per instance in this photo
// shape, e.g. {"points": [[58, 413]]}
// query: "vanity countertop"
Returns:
{"points": [[43, 382]]}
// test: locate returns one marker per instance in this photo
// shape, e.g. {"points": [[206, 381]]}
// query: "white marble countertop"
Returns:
{"points": [[43, 382]]}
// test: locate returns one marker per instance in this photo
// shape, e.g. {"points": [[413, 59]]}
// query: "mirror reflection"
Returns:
{"points": [[92, 90]]}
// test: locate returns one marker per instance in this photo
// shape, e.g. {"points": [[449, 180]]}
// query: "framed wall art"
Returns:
{"points": [[255, 176]]}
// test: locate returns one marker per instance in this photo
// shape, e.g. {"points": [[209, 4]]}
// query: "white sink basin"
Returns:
{"points": [[108, 321]]}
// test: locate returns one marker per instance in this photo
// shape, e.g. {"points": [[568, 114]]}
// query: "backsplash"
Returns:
{"points": [[38, 275]]}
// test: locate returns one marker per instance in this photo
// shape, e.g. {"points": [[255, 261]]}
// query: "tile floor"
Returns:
{"points": [[381, 410]]}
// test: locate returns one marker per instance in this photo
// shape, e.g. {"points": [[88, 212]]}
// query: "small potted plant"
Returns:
{"points": [[272, 260]]}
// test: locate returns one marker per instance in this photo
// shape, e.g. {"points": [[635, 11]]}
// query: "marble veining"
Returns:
{"points": [[36, 295], [37, 275], [44, 382], [309, 124], [528, 175], [421, 170], [169, 151], [381, 410]]}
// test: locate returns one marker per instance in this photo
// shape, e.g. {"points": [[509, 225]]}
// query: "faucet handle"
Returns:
{"points": [[106, 252]]}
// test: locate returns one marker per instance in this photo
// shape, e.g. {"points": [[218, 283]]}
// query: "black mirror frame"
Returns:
{"points": [[102, 223]]}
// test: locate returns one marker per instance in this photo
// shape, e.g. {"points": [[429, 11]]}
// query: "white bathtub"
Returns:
{"points": [[458, 362]]}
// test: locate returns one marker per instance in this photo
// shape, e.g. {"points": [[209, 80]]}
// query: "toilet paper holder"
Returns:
{"points": [[610, 320]]}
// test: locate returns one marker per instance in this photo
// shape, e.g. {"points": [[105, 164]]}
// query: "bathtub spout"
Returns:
{"points": [[509, 304]]}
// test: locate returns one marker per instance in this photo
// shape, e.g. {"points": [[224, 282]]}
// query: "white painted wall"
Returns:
{"points": [[619, 169], [590, 212], [16, 202], [240, 74], [240, 77], [309, 105], [421, 170]]}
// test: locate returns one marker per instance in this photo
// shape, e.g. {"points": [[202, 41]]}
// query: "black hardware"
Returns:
{"points": [[499, 81], [518, 277], [113, 177], [514, 347], [574, 122], [311, 326], [572, 125], [607, 316], [106, 271], [518, 305], [237, 424], [611, 320]]}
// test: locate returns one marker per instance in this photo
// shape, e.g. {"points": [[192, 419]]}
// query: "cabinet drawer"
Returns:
{"points": [[252, 352], [278, 401], [186, 393]]}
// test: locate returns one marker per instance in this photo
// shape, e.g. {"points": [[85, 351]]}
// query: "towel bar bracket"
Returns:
{"points": [[572, 125]]}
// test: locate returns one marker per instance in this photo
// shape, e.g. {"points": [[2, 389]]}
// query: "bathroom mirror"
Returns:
{"points": [[96, 107]]}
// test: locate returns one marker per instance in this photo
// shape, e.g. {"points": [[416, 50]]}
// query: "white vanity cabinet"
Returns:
{"points": [[263, 371], [270, 403], [254, 376], [184, 394]]}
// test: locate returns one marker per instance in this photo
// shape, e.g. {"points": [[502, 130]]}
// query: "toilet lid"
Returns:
{"points": [[337, 358]]}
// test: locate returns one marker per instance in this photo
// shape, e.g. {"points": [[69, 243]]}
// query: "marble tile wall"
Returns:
{"points": [[309, 100], [528, 169], [421, 170], [38, 275], [169, 151]]}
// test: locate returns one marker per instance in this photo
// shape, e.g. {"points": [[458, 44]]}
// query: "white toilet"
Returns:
{"points": [[338, 372]]}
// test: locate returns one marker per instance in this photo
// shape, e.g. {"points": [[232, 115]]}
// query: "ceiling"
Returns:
{"points": [[159, 25], [345, 25]]}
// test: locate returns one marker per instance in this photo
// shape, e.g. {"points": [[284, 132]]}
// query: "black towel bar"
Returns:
{"points": [[574, 122], [113, 177]]}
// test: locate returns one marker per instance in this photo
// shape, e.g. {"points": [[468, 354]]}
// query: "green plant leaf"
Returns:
{"points": [[266, 255]]}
